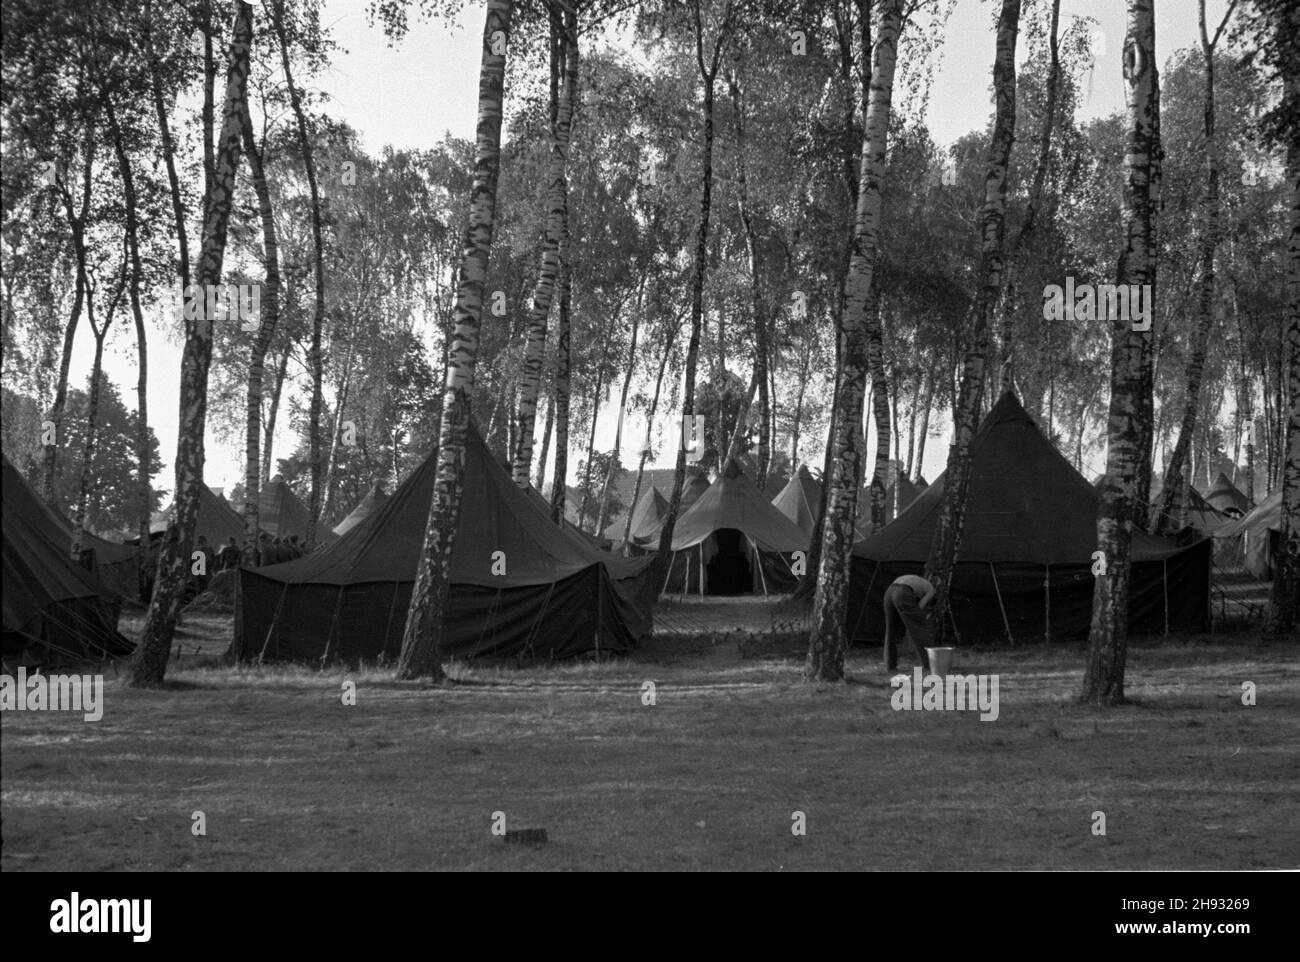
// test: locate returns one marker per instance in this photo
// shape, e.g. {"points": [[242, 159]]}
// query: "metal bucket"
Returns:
{"points": [[940, 660]]}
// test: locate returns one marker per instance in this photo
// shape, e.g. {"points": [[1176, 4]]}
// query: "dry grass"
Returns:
{"points": [[708, 778]]}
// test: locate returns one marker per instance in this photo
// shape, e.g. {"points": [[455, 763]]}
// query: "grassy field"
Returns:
{"points": [[707, 778]]}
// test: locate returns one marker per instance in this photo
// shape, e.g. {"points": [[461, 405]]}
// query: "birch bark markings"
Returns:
{"points": [[544, 291], [1103, 680], [952, 511], [270, 317], [148, 664], [827, 640], [421, 649]]}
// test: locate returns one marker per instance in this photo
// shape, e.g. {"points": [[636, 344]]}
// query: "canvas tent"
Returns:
{"points": [[1226, 498], [647, 519], [218, 521], [731, 527], [113, 567], [692, 489], [520, 585], [367, 506], [53, 608], [801, 498], [281, 514], [1201, 515], [1256, 538], [1024, 565]]}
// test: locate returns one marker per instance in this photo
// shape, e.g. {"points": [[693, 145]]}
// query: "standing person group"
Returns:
{"points": [[274, 551]]}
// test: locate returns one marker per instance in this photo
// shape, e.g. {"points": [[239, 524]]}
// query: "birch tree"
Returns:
{"points": [[421, 651], [827, 640], [1103, 680]]}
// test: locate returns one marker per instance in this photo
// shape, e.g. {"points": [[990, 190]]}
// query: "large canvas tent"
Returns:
{"points": [[1256, 538], [113, 567], [1024, 567], [367, 506], [53, 608], [1225, 497], [729, 528], [647, 519], [520, 585]]}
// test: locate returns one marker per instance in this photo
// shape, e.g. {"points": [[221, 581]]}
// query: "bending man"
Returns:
{"points": [[906, 601]]}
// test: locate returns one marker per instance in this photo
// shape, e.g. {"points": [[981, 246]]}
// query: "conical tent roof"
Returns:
{"points": [[1201, 515], [496, 515], [732, 502], [367, 506], [51, 605], [1026, 504], [1224, 496], [906, 494], [218, 521], [799, 500], [647, 517], [281, 514]]}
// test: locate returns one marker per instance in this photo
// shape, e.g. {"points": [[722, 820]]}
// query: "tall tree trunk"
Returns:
{"points": [[1284, 602], [827, 640], [269, 320], [77, 227], [144, 490], [1173, 486], [1103, 680], [149, 662], [546, 441], [315, 358], [591, 437], [1009, 299], [952, 512], [421, 640], [708, 69], [931, 377], [92, 412], [168, 146], [616, 454], [565, 61], [336, 434], [649, 428], [879, 408], [756, 300], [272, 415], [563, 380]]}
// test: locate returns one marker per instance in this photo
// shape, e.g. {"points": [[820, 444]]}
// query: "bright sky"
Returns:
{"points": [[410, 96]]}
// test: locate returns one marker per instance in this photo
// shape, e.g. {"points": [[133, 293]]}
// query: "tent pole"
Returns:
{"points": [[334, 623], [275, 620], [672, 560], [1164, 584], [701, 569], [758, 563], [686, 585], [998, 591], [1047, 603]]}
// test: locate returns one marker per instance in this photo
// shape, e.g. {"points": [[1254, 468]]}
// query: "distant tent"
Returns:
{"points": [[570, 526], [54, 611], [647, 518], [693, 488], [729, 528], [799, 500], [1201, 515], [367, 506], [218, 521], [898, 496], [1225, 497], [520, 584], [281, 514], [1026, 550], [921, 484], [1257, 537]]}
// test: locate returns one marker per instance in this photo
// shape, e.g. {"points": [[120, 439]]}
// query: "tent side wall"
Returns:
{"points": [[348, 623], [1180, 582]]}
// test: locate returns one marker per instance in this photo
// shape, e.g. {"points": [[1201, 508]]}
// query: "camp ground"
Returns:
{"points": [[671, 435]]}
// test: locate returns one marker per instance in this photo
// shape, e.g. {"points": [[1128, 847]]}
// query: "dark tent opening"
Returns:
{"points": [[729, 571]]}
